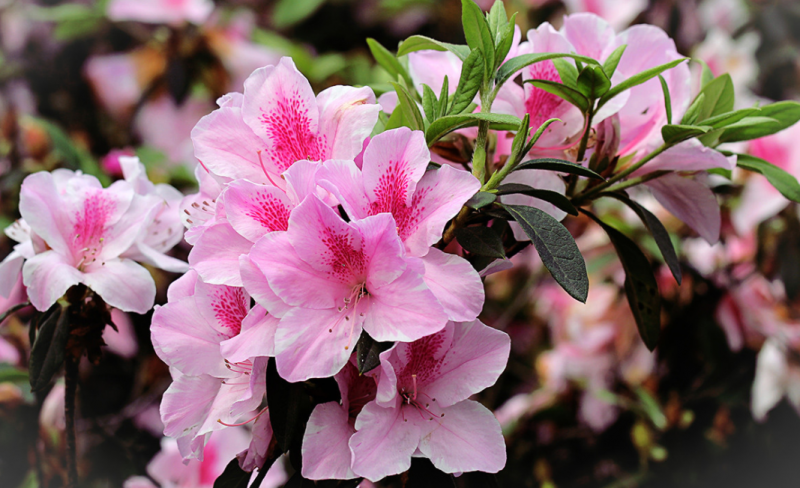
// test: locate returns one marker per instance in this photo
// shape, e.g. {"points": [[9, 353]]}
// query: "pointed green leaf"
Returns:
{"points": [[470, 82], [719, 98], [658, 231], [498, 19], [47, 353], [409, 107], [556, 248], [477, 32], [429, 103], [289, 408], [368, 353], [693, 112], [397, 119], [706, 75], [510, 67], [593, 82], [551, 164], [566, 71], [571, 95], [638, 79], [667, 98], [640, 284], [777, 177], [388, 61], [482, 241], [504, 41], [449, 123], [730, 118], [674, 134], [480, 200], [233, 476], [538, 134], [557, 199], [422, 43], [612, 61], [444, 98], [785, 114], [10, 311], [520, 138], [290, 12]]}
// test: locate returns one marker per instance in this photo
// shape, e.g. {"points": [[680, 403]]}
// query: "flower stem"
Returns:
{"points": [[622, 174], [70, 387]]}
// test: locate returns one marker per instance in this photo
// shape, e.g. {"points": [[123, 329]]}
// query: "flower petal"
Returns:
{"points": [[455, 283], [326, 454], [383, 443]]}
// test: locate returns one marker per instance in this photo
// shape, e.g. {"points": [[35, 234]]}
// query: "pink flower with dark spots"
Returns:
{"points": [[217, 348], [327, 279], [85, 229], [422, 406], [394, 179], [277, 121]]}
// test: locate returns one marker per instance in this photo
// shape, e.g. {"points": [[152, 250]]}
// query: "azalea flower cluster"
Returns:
{"points": [[330, 242]]}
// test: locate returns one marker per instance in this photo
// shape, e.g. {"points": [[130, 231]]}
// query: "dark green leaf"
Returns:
{"points": [[693, 112], [233, 476], [47, 353], [297, 481], [640, 284], [556, 248], [786, 113], [780, 179], [289, 408], [444, 98], [538, 134], [571, 95], [481, 199], [11, 374], [477, 32], [674, 134], [592, 82], [290, 12], [719, 98], [470, 82], [504, 41], [667, 98], [388, 61], [449, 123], [429, 103], [638, 79], [612, 61], [520, 140], [566, 71], [510, 67], [10, 311], [658, 231], [498, 19], [557, 199], [422, 43], [409, 107], [482, 241], [559, 165], [368, 353], [729, 118]]}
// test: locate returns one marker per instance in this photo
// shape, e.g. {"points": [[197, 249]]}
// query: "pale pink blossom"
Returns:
{"points": [[422, 406], [160, 11], [277, 121], [618, 14], [393, 179], [214, 383], [164, 125], [122, 340], [117, 82], [327, 279], [777, 376]]}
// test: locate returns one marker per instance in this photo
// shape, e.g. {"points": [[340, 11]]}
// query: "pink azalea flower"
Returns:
{"points": [[166, 126], [393, 179], [422, 405], [160, 11], [327, 279], [121, 341], [326, 454], [776, 376], [115, 82], [111, 164], [11, 287], [278, 121], [193, 335], [86, 229], [201, 210], [618, 14], [251, 210]]}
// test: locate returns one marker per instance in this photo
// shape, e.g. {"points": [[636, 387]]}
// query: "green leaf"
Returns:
{"points": [[640, 284], [612, 61], [289, 408], [515, 64], [471, 79], [693, 112], [422, 43], [651, 408], [706, 75], [449, 123], [538, 134], [520, 139], [571, 95], [551, 164], [556, 248], [557, 199], [388, 61], [719, 98], [480, 200], [290, 12], [233, 476], [566, 71], [444, 98], [477, 33], [429, 103], [409, 107], [11, 374], [397, 119], [498, 19], [10, 311], [368, 352], [658, 231], [47, 353], [780, 179], [667, 98], [638, 79], [785, 114], [504, 41], [674, 134], [593, 82], [730, 118], [482, 241]]}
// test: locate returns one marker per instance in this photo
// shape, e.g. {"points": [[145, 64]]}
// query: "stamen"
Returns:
{"points": [[261, 162], [246, 421]]}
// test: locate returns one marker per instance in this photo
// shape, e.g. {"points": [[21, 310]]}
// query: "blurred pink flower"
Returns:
{"points": [[160, 11], [618, 14], [122, 341], [165, 126]]}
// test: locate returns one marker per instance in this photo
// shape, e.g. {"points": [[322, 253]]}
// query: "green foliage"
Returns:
{"points": [[513, 65], [564, 92], [233, 476], [449, 123], [777, 177], [388, 61], [480, 200], [422, 43], [482, 241], [772, 118], [667, 98], [290, 12], [478, 34], [47, 352], [472, 74], [409, 108], [557, 199], [612, 61], [638, 79], [368, 353], [592, 82], [551, 164]]}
